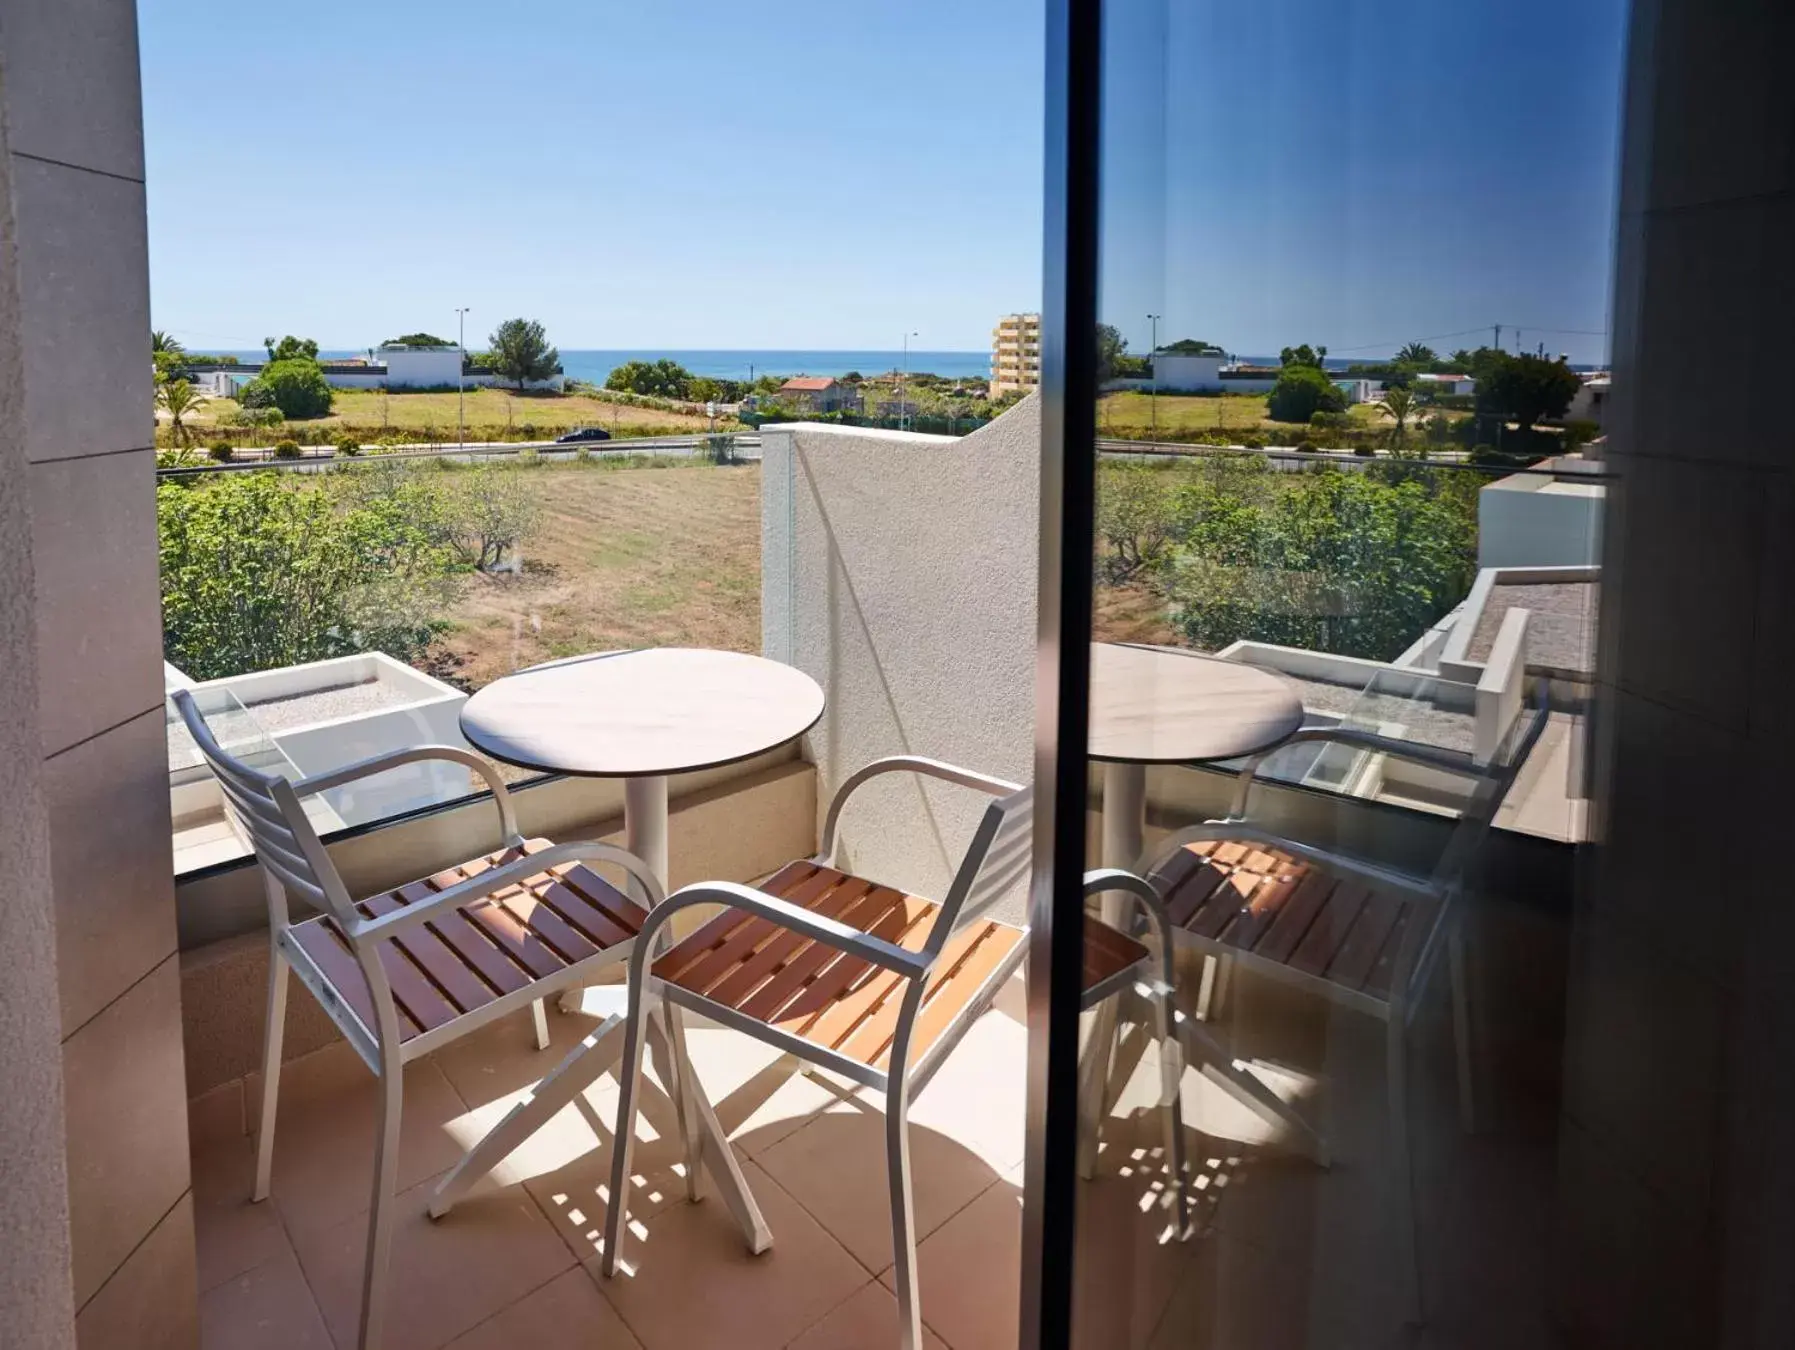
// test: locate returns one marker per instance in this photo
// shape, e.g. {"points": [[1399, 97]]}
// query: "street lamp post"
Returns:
{"points": [[461, 376], [1153, 375], [904, 387]]}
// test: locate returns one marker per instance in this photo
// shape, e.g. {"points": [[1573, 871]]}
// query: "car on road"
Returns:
{"points": [[579, 434]]}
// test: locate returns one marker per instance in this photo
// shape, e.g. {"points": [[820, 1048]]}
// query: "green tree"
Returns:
{"points": [[520, 352], [1416, 354], [162, 341], [418, 340], [1526, 388], [1192, 347], [488, 510], [702, 390], [1112, 351], [295, 385], [1134, 518], [1356, 563], [1301, 391], [664, 379], [265, 569], [180, 400], [1304, 355], [290, 348], [1397, 404]]}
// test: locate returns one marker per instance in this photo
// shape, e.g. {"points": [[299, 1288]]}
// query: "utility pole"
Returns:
{"points": [[1498, 342], [1518, 351], [461, 377], [1153, 375], [904, 386]]}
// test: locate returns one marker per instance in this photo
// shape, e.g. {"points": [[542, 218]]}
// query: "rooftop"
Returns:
{"points": [[1561, 632], [808, 383]]}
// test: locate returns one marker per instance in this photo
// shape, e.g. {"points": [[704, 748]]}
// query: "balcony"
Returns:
{"points": [[848, 543]]}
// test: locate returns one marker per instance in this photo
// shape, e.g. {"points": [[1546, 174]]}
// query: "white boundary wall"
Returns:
{"points": [[899, 570]]}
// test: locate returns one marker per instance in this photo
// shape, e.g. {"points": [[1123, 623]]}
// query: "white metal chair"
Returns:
{"points": [[1361, 935], [874, 984], [409, 970]]}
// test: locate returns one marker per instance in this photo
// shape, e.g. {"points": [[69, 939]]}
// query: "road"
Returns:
{"points": [[747, 447]]}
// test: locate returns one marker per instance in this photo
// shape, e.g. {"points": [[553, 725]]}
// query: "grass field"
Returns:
{"points": [[490, 413], [1129, 412], [621, 558]]}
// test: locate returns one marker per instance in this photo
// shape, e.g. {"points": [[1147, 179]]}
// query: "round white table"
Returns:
{"points": [[1165, 705], [640, 716]]}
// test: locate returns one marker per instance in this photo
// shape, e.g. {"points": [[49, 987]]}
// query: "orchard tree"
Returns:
{"points": [[662, 379], [520, 352]]}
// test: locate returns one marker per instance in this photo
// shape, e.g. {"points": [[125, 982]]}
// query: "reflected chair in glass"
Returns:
{"points": [[407, 971], [869, 982], [1363, 936]]}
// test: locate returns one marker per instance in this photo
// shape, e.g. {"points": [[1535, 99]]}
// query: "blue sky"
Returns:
{"points": [[677, 173], [690, 174], [1358, 173]]}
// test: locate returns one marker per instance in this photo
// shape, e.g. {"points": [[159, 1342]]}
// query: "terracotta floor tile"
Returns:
{"points": [[501, 1059], [268, 1308], [231, 1233], [836, 1168], [970, 1273], [446, 1276], [694, 1285], [324, 1143], [867, 1321], [568, 1313], [976, 1097]]}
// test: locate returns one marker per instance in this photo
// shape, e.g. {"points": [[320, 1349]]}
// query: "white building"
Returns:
{"points": [[1589, 403], [1447, 384], [397, 368]]}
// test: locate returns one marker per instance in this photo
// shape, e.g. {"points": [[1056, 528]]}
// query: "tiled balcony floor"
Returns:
{"points": [[1293, 1257]]}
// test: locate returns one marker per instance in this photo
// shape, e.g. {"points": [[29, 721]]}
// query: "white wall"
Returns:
{"points": [[900, 570], [420, 367], [1195, 373], [1530, 520]]}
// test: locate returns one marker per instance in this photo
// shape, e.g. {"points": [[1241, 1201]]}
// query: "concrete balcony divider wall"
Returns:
{"points": [[899, 571], [75, 390]]}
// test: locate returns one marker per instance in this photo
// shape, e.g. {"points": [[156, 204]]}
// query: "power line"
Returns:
{"points": [[1392, 345]]}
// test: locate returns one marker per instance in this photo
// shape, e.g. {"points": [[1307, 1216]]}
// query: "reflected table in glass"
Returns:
{"points": [[1165, 705], [640, 716]]}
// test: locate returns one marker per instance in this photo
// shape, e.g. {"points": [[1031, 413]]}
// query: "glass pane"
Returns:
{"points": [[1349, 542]]}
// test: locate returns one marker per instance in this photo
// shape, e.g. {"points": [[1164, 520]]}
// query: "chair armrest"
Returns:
{"points": [[1433, 756], [497, 878], [843, 937], [918, 764], [1320, 857], [367, 768]]}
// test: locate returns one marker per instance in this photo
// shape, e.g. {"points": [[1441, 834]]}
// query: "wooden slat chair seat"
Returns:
{"points": [[870, 982], [844, 1003], [465, 958], [1270, 907], [416, 967]]}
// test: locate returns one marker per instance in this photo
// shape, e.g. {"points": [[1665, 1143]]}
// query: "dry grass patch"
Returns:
{"points": [[622, 558]]}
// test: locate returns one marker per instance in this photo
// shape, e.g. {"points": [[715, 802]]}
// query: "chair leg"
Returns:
{"points": [[1171, 1088], [273, 1034], [1402, 1166], [629, 1080], [1206, 987], [685, 1088], [539, 1018], [1094, 1070], [380, 1216], [1461, 1031], [903, 1214]]}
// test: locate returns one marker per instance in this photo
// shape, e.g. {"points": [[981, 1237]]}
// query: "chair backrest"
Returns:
{"points": [[267, 809], [996, 862], [1494, 780]]}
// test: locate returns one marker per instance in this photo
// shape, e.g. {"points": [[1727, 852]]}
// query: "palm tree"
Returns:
{"points": [[1397, 404], [163, 342], [1416, 354], [178, 399]]}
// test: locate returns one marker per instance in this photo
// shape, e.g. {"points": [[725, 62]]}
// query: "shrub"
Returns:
{"points": [[1306, 445], [286, 450], [1366, 450], [221, 451], [348, 445], [1300, 393], [297, 387]]}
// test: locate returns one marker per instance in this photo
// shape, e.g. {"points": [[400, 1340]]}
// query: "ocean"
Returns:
{"points": [[596, 365]]}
